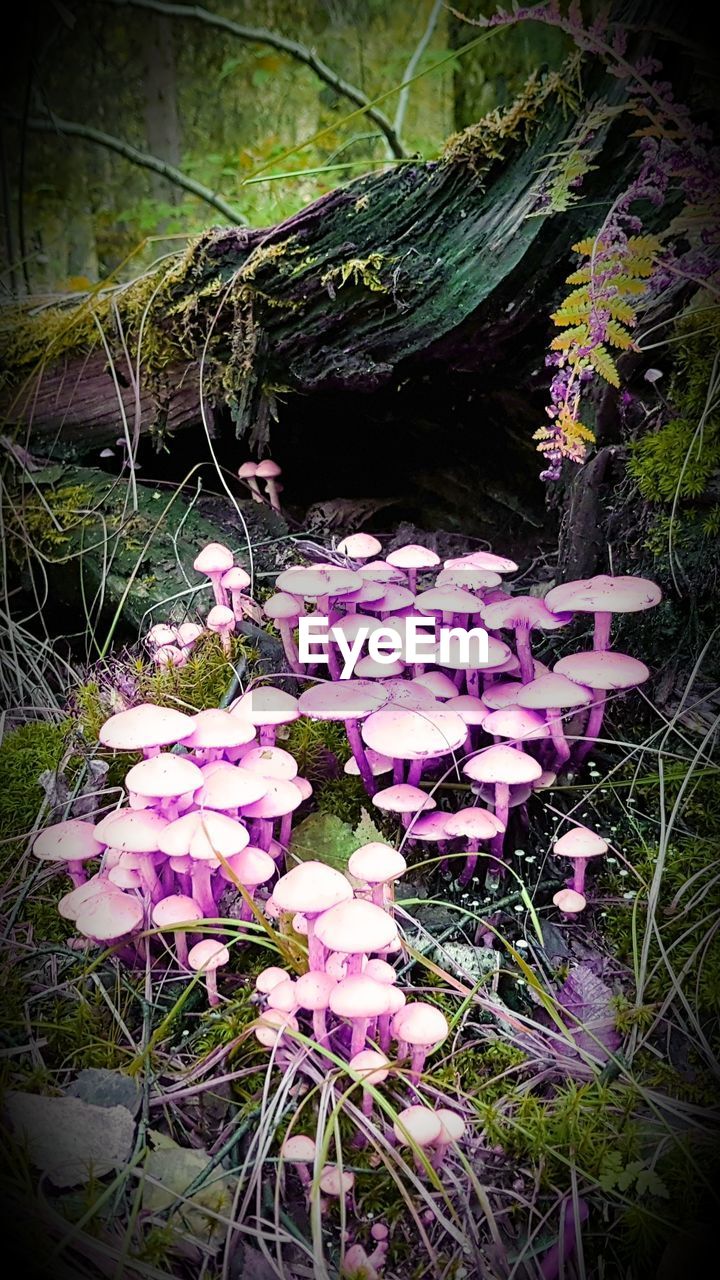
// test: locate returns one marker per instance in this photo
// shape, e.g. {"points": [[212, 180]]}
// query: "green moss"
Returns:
{"points": [[25, 754]]}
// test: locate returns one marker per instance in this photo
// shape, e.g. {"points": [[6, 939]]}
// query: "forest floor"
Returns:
{"points": [[580, 1054]]}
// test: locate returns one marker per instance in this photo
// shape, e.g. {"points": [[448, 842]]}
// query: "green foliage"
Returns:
{"points": [[312, 741], [25, 753], [326, 838], [681, 458], [361, 272]]}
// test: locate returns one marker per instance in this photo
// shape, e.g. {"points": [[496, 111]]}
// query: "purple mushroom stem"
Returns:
{"points": [[266, 735], [359, 1033], [352, 728], [285, 830], [593, 726], [181, 947], [316, 950], [76, 872], [150, 880], [601, 638], [398, 778], [201, 877], [383, 1032], [211, 984], [577, 882], [418, 1054], [523, 648], [502, 809], [354, 967], [468, 870], [557, 734], [562, 1251], [264, 834], [472, 682], [333, 661], [218, 589], [289, 646], [415, 772]]}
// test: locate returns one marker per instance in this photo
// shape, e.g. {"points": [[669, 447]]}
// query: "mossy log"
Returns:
{"points": [[447, 262]]}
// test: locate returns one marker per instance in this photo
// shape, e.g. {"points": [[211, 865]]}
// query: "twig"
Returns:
{"points": [[422, 45]]}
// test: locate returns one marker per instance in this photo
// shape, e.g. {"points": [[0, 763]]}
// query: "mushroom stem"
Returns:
{"points": [[211, 984], [354, 965], [316, 950], [76, 872], [502, 809], [601, 638], [593, 726], [218, 589], [578, 876], [472, 682], [383, 1032], [557, 733], [359, 1032], [523, 648], [468, 870], [181, 947], [264, 836], [352, 729], [266, 735], [289, 646], [285, 830], [415, 772], [272, 492], [202, 888], [418, 1054], [319, 1026], [398, 776]]}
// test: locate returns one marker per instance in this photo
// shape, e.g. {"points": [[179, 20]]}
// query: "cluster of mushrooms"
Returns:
{"points": [[212, 800]]}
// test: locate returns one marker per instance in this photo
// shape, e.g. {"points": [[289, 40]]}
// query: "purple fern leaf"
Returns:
{"points": [[591, 1023]]}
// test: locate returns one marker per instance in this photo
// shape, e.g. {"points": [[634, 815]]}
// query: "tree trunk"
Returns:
{"points": [[162, 125]]}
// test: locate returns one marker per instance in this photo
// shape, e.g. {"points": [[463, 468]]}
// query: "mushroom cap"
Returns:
{"points": [[407, 733], [580, 842], [236, 579], [270, 762], [603, 669], [282, 606], [321, 580], [336, 1182], [368, 668], [502, 764], [469, 577], [299, 1148], [523, 611], [519, 794], [499, 656], [408, 693], [381, 571], [271, 1024], [220, 619], [403, 798], [110, 915], [547, 692], [303, 786], [374, 1067], [267, 469], [438, 684], [161, 634], [164, 777], [394, 597], [428, 826], [145, 726], [214, 558], [381, 971], [413, 556], [216, 728], [569, 901], [188, 633], [70, 905], [312, 990], [518, 723], [269, 978], [311, 887], [208, 954], [177, 908], [376, 863], [247, 469], [124, 877], [474, 823], [417, 1125], [266, 705], [360, 546], [251, 866], [420, 1024], [483, 560], [368, 593], [342, 699], [283, 997], [504, 693], [453, 1125], [447, 600], [604, 594], [132, 830], [228, 786], [355, 927], [281, 797], [379, 764], [71, 841], [359, 997], [472, 710]]}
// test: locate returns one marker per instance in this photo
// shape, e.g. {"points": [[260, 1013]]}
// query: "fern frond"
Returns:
{"points": [[618, 336], [621, 310], [583, 276], [579, 334], [603, 363]]}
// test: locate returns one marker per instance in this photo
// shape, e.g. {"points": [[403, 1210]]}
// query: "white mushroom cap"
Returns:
{"points": [[417, 1125]]}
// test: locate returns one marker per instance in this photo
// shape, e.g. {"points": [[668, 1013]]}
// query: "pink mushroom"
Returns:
{"points": [[145, 728], [552, 694], [422, 1027], [579, 844], [474, 825], [171, 913], [373, 1068], [73, 843], [350, 701], [408, 801], [207, 957], [523, 614], [284, 610], [603, 596], [360, 546], [415, 735], [270, 472], [314, 889], [503, 767], [360, 1000], [413, 559], [221, 621], [313, 990], [600, 671], [247, 473], [355, 928], [214, 560], [266, 707], [377, 865]]}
